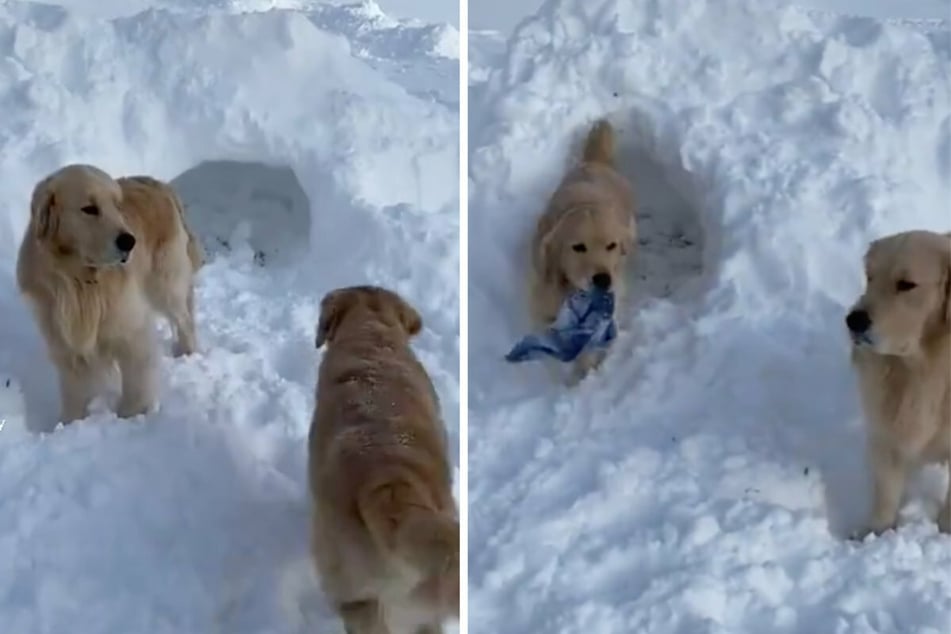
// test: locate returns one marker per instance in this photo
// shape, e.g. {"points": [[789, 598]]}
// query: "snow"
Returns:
{"points": [[504, 16], [435, 12], [704, 479], [340, 125]]}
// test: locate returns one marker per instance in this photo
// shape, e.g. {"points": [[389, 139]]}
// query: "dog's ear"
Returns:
{"points": [[332, 308], [629, 234], [41, 209], [547, 254], [409, 317]]}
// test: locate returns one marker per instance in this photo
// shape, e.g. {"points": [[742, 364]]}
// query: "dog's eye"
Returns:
{"points": [[612, 246], [90, 210], [904, 285], [579, 247]]}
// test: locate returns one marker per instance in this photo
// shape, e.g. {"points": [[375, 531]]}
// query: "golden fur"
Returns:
{"points": [[385, 531], [92, 295], [587, 229], [901, 327]]}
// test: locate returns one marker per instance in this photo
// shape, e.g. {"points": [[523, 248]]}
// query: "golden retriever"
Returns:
{"points": [[385, 535], [98, 257], [584, 237], [901, 334]]}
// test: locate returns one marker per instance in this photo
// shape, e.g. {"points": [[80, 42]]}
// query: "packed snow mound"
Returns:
{"points": [[703, 479], [433, 18], [163, 91], [398, 47], [305, 163]]}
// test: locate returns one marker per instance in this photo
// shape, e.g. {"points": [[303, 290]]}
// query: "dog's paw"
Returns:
{"points": [[574, 378], [861, 534], [133, 408], [180, 350], [184, 345]]}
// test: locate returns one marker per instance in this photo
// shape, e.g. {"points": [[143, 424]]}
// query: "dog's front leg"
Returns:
{"points": [[362, 617], [77, 385], [138, 364], [584, 365], [889, 472]]}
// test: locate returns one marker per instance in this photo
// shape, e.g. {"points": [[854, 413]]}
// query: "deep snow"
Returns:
{"points": [[702, 481], [314, 146], [503, 16]]}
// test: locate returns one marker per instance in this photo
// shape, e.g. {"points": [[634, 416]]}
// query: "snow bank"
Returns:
{"points": [[703, 480], [314, 147]]}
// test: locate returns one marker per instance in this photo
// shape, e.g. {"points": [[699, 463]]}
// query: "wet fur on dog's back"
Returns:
{"points": [[591, 209], [903, 360], [385, 531], [94, 302]]}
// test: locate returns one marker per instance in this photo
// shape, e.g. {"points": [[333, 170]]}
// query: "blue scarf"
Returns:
{"points": [[585, 321]]}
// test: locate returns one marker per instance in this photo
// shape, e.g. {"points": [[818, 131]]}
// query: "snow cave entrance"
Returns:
{"points": [[234, 205], [671, 240]]}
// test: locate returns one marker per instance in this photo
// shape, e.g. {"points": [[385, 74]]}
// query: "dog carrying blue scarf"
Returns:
{"points": [[585, 321]]}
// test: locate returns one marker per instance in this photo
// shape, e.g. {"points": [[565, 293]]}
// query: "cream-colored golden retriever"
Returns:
{"points": [[385, 535], [901, 331], [584, 237], [98, 257]]}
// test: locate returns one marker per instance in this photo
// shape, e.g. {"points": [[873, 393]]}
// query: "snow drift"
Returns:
{"points": [[702, 481], [314, 147]]}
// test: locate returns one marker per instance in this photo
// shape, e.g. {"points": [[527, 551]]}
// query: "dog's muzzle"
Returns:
{"points": [[862, 339], [859, 323]]}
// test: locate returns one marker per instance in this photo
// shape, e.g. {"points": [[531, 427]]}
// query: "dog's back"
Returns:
{"points": [[154, 203], [594, 182], [385, 527]]}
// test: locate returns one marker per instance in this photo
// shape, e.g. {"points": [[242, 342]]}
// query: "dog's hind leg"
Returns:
{"points": [[174, 297], [138, 364], [182, 316]]}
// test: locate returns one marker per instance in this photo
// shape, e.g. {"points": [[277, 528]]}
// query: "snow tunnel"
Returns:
{"points": [[671, 237], [233, 205]]}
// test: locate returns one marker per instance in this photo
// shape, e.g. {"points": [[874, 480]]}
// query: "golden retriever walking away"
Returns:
{"points": [[901, 331], [385, 530], [98, 257], [584, 237]]}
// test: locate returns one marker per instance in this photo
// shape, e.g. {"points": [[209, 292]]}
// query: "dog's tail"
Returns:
{"points": [[196, 254], [406, 527], [599, 146]]}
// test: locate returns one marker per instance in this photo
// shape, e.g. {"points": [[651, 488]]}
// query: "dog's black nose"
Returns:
{"points": [[858, 321], [125, 242], [601, 280]]}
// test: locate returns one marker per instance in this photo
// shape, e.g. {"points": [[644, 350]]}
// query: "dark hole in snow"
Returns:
{"points": [[232, 205], [670, 235]]}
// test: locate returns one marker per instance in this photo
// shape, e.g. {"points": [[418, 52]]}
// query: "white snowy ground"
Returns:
{"points": [[702, 482], [314, 147]]}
